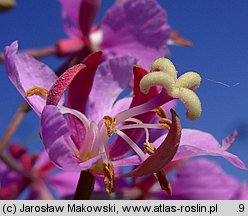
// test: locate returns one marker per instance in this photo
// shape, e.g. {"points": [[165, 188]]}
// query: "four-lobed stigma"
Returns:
{"points": [[163, 73]]}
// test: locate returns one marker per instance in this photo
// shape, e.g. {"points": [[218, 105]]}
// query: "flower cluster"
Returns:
{"points": [[81, 140]]}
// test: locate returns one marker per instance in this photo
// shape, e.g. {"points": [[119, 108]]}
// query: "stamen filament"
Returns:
{"points": [[140, 123], [133, 145], [82, 118], [79, 115], [104, 145], [144, 126]]}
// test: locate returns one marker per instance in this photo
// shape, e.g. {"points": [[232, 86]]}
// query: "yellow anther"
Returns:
{"points": [[110, 124], [161, 112], [36, 90], [108, 171], [165, 123], [149, 148], [164, 184]]}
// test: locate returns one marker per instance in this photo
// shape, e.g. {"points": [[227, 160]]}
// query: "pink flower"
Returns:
{"points": [[136, 28], [78, 136]]}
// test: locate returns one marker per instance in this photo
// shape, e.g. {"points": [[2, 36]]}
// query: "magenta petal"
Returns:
{"points": [[199, 143], [121, 105], [136, 28], [196, 142], [112, 77], [87, 15], [228, 141], [80, 87], [78, 93], [164, 154], [56, 138], [202, 179], [133, 160], [70, 16], [26, 72]]}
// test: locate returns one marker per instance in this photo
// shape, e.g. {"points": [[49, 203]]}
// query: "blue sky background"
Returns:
{"points": [[220, 53]]}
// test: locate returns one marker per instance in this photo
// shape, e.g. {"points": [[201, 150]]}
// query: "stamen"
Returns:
{"points": [[83, 119], [36, 90], [164, 184], [133, 145], [149, 148], [161, 112], [108, 171], [140, 123], [143, 126], [104, 145], [110, 124], [79, 115], [164, 122]]}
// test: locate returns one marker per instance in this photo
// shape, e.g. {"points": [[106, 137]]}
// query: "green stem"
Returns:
{"points": [[85, 186]]}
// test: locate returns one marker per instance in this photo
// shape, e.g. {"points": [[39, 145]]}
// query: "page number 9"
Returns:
{"points": [[241, 208]]}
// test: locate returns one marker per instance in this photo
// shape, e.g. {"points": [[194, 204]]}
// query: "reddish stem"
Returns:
{"points": [[37, 53]]}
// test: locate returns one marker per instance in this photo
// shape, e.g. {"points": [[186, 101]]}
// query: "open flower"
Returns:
{"points": [[78, 136], [136, 28]]}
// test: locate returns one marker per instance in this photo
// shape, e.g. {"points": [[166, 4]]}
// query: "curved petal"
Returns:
{"points": [[164, 154], [56, 137], [80, 87], [111, 78], [26, 72], [78, 93], [199, 143], [136, 28], [203, 179]]}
